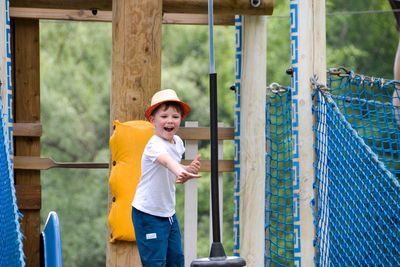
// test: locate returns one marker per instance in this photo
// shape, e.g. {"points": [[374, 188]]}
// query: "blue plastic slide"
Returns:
{"points": [[51, 251]]}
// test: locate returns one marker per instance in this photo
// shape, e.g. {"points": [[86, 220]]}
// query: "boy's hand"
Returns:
{"points": [[194, 166], [185, 176]]}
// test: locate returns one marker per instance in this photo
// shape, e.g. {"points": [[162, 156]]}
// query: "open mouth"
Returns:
{"points": [[169, 129]]}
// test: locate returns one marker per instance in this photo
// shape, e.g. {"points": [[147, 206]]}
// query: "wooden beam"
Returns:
{"points": [[232, 7], [29, 196], [26, 99], [223, 165], [33, 129], [203, 133], [60, 14], [197, 19], [186, 133], [64, 4], [106, 16], [38, 163]]}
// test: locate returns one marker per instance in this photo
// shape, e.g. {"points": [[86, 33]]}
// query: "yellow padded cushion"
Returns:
{"points": [[126, 145]]}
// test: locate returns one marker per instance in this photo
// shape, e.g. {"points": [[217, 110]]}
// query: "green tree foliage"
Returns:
{"points": [[75, 87], [75, 90], [361, 35]]}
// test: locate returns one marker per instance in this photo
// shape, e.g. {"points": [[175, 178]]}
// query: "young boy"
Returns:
{"points": [[153, 208]]}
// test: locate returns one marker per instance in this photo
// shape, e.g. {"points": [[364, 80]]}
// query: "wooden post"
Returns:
{"points": [[136, 76], [26, 80], [252, 142], [308, 58], [191, 208]]}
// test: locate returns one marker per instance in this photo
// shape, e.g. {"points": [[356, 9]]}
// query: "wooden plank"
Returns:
{"points": [[60, 14], [231, 7], [252, 143], [186, 133], [197, 19], [106, 16], [203, 133], [64, 4], [136, 76], [29, 196], [223, 165], [26, 82], [33, 129], [38, 163]]}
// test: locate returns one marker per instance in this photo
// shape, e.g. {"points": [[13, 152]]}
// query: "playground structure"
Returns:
{"points": [[310, 242], [136, 75]]}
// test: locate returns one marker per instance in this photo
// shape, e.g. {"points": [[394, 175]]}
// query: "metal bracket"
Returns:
{"points": [[255, 3]]}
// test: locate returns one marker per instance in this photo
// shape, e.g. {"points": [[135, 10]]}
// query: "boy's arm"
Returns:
{"points": [[176, 168]]}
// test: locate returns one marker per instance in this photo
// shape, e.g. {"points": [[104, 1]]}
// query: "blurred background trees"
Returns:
{"points": [[75, 90]]}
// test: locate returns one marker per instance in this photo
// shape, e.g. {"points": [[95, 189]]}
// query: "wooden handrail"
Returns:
{"points": [[39, 163]]}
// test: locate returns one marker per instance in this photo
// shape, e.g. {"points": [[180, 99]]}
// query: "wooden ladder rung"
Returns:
{"points": [[38, 163]]}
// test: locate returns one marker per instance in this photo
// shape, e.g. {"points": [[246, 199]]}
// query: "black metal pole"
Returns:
{"points": [[217, 252], [214, 158]]}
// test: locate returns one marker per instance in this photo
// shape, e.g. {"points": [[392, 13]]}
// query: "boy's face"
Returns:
{"points": [[166, 122]]}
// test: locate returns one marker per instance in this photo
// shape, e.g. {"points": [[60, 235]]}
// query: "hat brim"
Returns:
{"points": [[185, 108]]}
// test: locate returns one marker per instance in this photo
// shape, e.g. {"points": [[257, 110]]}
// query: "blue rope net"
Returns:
{"points": [[279, 180], [357, 146], [358, 193], [367, 104], [11, 253]]}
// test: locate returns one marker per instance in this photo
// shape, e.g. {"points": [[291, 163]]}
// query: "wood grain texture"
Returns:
{"points": [[136, 61], [39, 163], [203, 133], [26, 96], [33, 129], [312, 61], [136, 76], [29, 196], [64, 4], [252, 140], [106, 16], [231, 7]]}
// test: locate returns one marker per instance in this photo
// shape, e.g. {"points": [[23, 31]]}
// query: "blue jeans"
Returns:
{"points": [[158, 240]]}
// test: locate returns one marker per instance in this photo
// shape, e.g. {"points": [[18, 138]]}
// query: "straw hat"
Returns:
{"points": [[167, 95]]}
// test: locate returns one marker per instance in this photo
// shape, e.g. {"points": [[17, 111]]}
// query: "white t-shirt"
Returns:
{"points": [[155, 193]]}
